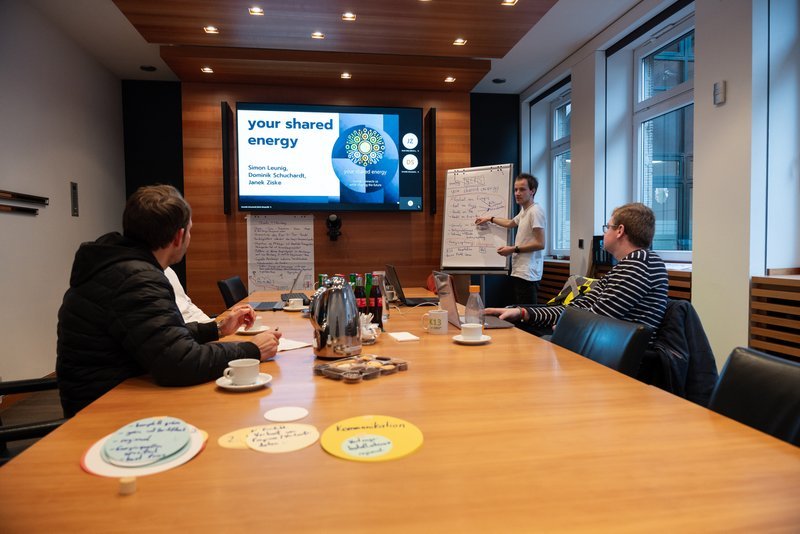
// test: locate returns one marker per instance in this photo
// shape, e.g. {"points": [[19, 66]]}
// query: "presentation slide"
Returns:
{"points": [[324, 157]]}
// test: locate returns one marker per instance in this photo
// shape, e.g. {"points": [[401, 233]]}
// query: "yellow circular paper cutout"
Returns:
{"points": [[371, 438], [235, 440], [284, 437]]}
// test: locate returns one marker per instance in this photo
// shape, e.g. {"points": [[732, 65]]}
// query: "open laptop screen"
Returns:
{"points": [[447, 297], [394, 279], [447, 301]]}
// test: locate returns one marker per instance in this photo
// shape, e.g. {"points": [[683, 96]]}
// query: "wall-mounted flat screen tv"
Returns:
{"points": [[325, 158]]}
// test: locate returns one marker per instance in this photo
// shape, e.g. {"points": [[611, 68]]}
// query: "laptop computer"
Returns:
{"points": [[266, 305], [447, 301], [394, 280], [285, 297], [279, 305]]}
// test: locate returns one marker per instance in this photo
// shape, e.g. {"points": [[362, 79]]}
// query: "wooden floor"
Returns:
{"points": [[41, 406]]}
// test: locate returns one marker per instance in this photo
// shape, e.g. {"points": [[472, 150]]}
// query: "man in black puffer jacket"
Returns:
{"points": [[119, 318]]}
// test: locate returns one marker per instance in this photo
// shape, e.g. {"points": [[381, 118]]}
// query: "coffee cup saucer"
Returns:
{"points": [[480, 341], [244, 331], [225, 383], [293, 308]]}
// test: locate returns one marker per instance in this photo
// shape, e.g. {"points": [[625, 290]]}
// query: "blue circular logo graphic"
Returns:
{"points": [[365, 160], [365, 146]]}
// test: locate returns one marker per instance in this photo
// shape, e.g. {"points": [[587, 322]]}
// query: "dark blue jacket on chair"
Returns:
{"points": [[681, 360]]}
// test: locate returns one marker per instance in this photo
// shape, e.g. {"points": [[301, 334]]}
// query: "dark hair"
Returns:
{"points": [[154, 214], [639, 222], [533, 183]]}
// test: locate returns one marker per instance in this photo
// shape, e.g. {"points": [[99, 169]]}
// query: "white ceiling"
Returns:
{"points": [[104, 32]]}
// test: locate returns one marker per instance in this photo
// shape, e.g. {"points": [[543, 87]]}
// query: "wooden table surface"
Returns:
{"points": [[519, 436]]}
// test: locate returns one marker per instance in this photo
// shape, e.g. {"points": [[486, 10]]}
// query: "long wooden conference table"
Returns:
{"points": [[519, 436]]}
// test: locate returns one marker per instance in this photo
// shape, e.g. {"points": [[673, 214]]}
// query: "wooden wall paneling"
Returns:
{"points": [[680, 285], [788, 270], [411, 241], [554, 276], [775, 315]]}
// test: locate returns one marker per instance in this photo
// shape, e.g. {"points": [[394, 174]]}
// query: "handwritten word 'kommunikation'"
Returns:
{"points": [[369, 426]]}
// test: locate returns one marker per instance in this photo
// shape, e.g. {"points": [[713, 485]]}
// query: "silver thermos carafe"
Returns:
{"points": [[334, 315]]}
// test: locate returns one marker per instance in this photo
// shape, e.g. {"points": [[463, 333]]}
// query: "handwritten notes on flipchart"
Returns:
{"points": [[471, 193], [279, 247]]}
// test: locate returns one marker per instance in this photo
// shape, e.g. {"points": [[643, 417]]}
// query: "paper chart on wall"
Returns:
{"points": [[469, 194], [278, 248]]}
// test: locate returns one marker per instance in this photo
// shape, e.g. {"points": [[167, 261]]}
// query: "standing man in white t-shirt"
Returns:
{"points": [[527, 258]]}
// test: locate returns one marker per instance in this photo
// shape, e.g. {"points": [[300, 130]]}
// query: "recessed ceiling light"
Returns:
{"points": [[508, 3], [147, 68], [449, 79], [498, 80], [349, 16], [207, 70], [346, 75], [460, 42], [256, 11], [318, 35], [210, 29]]}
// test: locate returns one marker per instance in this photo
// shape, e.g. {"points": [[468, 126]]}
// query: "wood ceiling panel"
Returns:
{"points": [[410, 28], [280, 67]]}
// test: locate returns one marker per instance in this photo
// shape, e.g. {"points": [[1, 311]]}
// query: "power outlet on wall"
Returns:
{"points": [[73, 195]]}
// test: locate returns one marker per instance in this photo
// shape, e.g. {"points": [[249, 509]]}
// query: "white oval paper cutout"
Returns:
{"points": [[286, 414]]}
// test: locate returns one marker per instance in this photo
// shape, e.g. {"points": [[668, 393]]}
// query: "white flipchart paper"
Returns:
{"points": [[279, 247]]}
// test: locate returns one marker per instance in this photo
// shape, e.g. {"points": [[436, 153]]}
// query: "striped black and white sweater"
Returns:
{"points": [[634, 290]]}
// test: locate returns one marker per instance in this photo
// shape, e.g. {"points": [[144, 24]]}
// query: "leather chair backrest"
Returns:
{"points": [[612, 342], [232, 290], [25, 428], [761, 391]]}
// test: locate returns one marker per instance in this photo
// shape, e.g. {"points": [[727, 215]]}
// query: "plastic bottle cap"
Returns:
{"points": [[474, 289], [127, 485]]}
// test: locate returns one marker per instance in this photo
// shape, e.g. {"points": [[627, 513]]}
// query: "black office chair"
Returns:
{"points": [[614, 343], [761, 391], [25, 431], [232, 290]]}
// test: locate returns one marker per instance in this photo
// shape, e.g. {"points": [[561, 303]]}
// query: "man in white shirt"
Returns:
{"points": [[191, 313], [527, 259]]}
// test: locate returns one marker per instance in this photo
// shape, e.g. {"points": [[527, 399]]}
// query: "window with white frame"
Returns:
{"points": [[560, 161], [663, 130]]}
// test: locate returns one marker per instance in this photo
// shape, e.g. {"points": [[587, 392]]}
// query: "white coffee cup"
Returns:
{"points": [[391, 294], [242, 372], [471, 331], [295, 303], [257, 324], [435, 322]]}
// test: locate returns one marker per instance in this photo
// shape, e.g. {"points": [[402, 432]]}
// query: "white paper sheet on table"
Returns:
{"points": [[403, 336], [290, 344]]}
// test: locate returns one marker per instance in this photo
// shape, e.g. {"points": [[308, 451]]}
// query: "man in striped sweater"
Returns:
{"points": [[634, 290]]}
